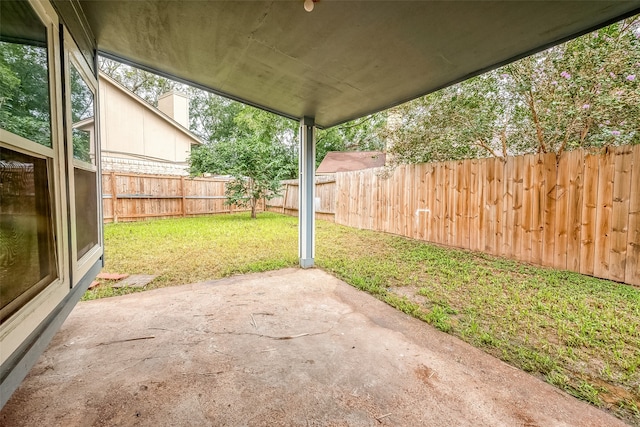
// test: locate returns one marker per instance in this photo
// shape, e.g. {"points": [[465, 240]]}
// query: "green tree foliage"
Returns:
{"points": [[146, 85], [584, 93], [258, 152], [363, 134], [24, 91], [82, 108], [461, 121]]}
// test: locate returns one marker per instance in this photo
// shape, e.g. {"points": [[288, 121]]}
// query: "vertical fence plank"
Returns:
{"points": [[588, 215], [537, 214], [527, 207], [489, 205], [466, 175], [389, 203], [507, 209], [562, 198], [575, 166], [420, 205], [603, 215], [114, 196], [451, 202], [439, 205], [499, 177], [551, 195], [407, 193], [183, 204], [620, 213], [632, 272], [482, 202], [364, 199], [518, 187], [458, 200], [474, 226], [430, 185], [446, 203]]}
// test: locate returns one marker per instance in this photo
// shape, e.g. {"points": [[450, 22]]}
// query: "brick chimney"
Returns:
{"points": [[175, 105]]}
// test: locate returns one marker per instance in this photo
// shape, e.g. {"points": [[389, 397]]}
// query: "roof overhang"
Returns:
{"points": [[345, 59]]}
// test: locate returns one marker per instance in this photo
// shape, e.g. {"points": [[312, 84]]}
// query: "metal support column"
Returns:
{"points": [[306, 212]]}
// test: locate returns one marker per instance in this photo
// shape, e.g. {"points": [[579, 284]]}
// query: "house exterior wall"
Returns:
{"points": [[130, 129]]}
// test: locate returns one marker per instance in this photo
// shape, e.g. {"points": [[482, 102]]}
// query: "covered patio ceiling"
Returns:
{"points": [[345, 59]]}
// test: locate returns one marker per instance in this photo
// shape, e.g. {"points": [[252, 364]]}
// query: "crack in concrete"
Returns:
{"points": [[286, 337]]}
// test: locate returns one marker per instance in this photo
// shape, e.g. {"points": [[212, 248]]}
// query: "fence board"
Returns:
{"points": [[537, 213], [431, 197], [549, 233], [466, 168], [632, 273], [588, 214], [482, 201], [489, 205], [474, 206], [620, 212], [575, 166], [562, 200], [518, 187], [527, 207], [451, 203], [603, 216], [507, 209], [499, 177]]}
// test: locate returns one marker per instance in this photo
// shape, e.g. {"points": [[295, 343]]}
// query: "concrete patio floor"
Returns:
{"points": [[289, 347]]}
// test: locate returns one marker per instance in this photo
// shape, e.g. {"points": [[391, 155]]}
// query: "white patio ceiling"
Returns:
{"points": [[343, 60]]}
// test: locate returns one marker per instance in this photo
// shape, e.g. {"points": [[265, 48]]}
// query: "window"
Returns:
{"points": [[82, 117], [27, 263], [24, 73], [82, 155]]}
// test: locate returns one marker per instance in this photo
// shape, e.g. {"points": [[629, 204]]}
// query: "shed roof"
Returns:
{"points": [[345, 59], [348, 161]]}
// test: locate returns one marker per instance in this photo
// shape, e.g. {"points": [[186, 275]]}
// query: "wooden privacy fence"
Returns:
{"points": [[135, 197], [325, 199], [579, 213]]}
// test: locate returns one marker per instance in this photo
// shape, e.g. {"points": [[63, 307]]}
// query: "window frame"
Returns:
{"points": [[16, 328], [72, 55]]}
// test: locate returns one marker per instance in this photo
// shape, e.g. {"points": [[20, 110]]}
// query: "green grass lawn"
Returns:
{"points": [[579, 333]]}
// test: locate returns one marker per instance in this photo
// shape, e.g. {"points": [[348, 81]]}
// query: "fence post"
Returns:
{"points": [[114, 197]]}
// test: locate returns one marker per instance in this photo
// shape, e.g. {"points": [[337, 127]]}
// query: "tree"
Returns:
{"points": [[357, 135], [583, 93], [146, 85], [461, 121], [24, 91], [258, 153]]}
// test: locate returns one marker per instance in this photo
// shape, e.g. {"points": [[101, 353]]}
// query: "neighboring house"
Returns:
{"points": [[137, 137], [341, 161]]}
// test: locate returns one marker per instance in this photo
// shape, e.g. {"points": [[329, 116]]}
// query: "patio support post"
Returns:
{"points": [[306, 211]]}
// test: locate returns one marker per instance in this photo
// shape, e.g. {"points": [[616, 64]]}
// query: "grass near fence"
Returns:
{"points": [[579, 333]]}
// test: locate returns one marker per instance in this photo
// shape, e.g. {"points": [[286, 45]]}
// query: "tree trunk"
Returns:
{"points": [[253, 209]]}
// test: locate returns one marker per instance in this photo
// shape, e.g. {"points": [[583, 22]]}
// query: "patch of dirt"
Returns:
{"points": [[426, 374]]}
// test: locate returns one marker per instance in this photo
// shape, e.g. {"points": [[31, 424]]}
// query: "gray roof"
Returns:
{"points": [[343, 60]]}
